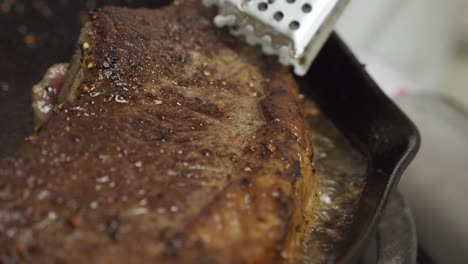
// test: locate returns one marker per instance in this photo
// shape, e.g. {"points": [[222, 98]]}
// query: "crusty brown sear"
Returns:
{"points": [[185, 147]]}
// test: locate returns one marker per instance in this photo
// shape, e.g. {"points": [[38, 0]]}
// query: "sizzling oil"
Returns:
{"points": [[340, 173]]}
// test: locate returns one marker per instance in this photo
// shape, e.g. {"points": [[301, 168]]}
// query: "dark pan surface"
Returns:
{"points": [[35, 36], [343, 90]]}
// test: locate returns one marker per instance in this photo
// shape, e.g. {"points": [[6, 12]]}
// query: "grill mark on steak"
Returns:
{"points": [[187, 146]]}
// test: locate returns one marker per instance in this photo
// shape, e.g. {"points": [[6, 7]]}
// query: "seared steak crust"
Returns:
{"points": [[176, 143]]}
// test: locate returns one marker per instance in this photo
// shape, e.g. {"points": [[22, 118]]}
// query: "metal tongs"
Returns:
{"points": [[294, 30]]}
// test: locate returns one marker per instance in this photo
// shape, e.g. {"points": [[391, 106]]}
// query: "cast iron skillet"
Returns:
{"points": [[337, 82], [343, 90]]}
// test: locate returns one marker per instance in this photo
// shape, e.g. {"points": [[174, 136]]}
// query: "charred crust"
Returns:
{"points": [[246, 182], [296, 170]]}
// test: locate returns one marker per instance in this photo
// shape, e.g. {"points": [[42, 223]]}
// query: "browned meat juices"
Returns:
{"points": [[174, 143]]}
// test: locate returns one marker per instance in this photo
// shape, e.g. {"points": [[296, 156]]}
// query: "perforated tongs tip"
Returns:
{"points": [[294, 30]]}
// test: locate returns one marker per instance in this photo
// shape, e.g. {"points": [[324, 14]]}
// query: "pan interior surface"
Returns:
{"points": [[374, 125], [341, 173]]}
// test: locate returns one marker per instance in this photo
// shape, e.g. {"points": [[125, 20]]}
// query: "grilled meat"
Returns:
{"points": [[173, 143], [46, 93]]}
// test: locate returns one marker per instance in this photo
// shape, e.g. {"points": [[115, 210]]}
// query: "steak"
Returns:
{"points": [[170, 142]]}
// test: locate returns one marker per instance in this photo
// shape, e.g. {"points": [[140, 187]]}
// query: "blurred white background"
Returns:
{"points": [[415, 45]]}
